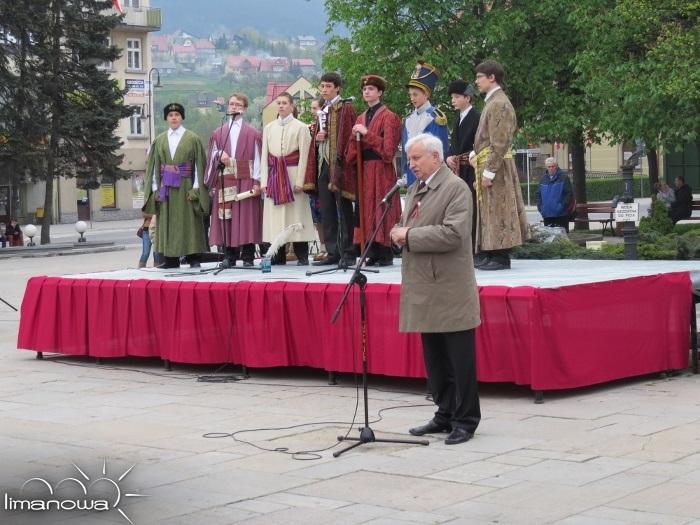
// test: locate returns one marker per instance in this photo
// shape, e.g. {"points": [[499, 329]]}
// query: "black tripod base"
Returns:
{"points": [[367, 436]]}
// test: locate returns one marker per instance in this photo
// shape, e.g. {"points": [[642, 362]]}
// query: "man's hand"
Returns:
{"points": [[225, 159], [452, 162], [298, 189], [263, 189], [398, 235], [320, 136], [486, 183], [359, 128], [472, 161]]}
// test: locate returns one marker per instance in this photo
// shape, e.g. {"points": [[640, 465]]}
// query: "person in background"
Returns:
{"points": [[13, 233], [682, 206], [145, 239], [664, 194], [554, 195]]}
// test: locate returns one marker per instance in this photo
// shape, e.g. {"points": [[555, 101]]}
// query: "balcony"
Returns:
{"points": [[142, 18]]}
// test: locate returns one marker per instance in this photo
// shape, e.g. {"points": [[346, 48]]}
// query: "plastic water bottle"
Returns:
{"points": [[266, 265]]}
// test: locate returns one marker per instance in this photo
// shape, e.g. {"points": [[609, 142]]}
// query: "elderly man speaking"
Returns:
{"points": [[439, 297]]}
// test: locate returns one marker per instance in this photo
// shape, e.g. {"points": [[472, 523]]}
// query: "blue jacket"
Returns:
{"points": [[437, 126], [554, 195]]}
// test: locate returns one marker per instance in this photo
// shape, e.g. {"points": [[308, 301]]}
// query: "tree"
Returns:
{"points": [[641, 64], [534, 40], [66, 41]]}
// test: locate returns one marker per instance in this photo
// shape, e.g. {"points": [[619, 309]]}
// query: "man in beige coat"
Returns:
{"points": [[501, 212], [439, 297]]}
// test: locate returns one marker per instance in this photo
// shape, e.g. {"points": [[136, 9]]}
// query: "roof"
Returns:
{"points": [[203, 43], [179, 49], [160, 42], [303, 62], [274, 90]]}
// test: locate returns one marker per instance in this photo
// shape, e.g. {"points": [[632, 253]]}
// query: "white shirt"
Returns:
{"points": [[463, 114], [286, 119], [233, 142], [491, 92], [174, 137]]}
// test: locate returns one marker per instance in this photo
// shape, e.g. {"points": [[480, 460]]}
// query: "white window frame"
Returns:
{"points": [[107, 65], [136, 123], [136, 4], [134, 54]]}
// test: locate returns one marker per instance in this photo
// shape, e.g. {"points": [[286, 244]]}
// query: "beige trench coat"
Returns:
{"points": [[502, 218], [280, 140], [438, 288]]}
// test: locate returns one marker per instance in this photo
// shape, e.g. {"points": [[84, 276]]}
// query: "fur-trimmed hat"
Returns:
{"points": [[374, 80], [461, 87], [173, 106]]}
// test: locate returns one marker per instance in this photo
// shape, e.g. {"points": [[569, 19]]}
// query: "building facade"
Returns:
{"points": [[122, 199]]}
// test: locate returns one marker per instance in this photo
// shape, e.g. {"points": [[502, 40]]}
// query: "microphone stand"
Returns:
{"points": [[340, 236], [360, 279]]}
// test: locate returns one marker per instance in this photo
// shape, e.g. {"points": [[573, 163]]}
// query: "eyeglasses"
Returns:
{"points": [[480, 75]]}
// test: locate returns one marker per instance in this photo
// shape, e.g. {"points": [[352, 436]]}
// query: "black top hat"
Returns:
{"points": [[173, 106], [461, 87], [425, 77]]}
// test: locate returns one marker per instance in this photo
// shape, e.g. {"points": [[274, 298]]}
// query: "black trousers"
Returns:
{"points": [[466, 173], [245, 252], [562, 222], [333, 218], [301, 250], [450, 359]]}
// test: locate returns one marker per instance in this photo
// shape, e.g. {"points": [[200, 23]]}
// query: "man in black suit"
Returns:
{"points": [[462, 139]]}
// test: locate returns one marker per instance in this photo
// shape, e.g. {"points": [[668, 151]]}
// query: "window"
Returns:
{"points": [[132, 3], [133, 53], [136, 121], [107, 64]]}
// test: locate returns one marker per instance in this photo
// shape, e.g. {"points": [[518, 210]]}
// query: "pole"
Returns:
{"points": [[360, 177], [629, 229]]}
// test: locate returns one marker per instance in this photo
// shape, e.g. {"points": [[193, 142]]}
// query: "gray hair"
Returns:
{"points": [[431, 143], [550, 160]]}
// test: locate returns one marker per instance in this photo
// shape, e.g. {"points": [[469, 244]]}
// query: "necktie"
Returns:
{"points": [[421, 185]]}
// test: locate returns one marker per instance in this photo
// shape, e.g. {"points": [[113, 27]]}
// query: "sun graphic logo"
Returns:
{"points": [[100, 493]]}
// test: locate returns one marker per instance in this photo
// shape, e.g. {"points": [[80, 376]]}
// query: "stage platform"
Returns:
{"points": [[546, 324]]}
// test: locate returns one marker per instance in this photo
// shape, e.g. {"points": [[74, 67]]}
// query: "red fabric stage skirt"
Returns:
{"points": [[545, 338]]}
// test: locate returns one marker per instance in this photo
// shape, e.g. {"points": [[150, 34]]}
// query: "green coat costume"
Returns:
{"points": [[181, 214]]}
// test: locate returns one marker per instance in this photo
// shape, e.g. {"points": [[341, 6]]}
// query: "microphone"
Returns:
{"points": [[349, 99], [400, 183]]}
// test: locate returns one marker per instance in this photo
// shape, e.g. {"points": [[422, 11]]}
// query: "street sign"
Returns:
{"points": [[627, 212]]}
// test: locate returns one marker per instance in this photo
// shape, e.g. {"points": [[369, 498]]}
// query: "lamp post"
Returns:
{"points": [[30, 231], [629, 229], [151, 124], [81, 228]]}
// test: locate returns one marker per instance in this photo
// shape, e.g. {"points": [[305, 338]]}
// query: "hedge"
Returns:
{"points": [[603, 189]]}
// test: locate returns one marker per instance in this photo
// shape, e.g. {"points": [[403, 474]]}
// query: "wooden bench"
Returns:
{"points": [[598, 208], [696, 207]]}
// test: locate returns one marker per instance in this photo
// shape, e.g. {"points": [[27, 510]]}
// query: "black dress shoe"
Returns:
{"points": [[480, 258], [195, 264], [494, 265], [457, 436], [167, 265], [370, 261], [247, 264], [431, 427], [385, 262], [328, 261], [303, 262]]}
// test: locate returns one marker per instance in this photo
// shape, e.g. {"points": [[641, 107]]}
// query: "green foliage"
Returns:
{"points": [[659, 221], [640, 63], [562, 248]]}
